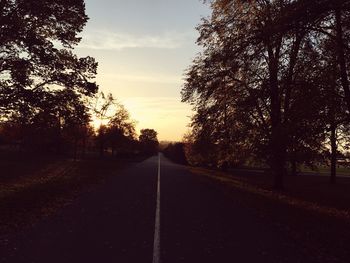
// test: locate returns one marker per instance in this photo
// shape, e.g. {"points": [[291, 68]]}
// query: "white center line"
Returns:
{"points": [[156, 242]]}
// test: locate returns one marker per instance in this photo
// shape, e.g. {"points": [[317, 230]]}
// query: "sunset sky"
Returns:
{"points": [[143, 48]]}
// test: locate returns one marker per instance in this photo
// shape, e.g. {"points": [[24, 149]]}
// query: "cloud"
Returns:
{"points": [[143, 78], [108, 40], [159, 106]]}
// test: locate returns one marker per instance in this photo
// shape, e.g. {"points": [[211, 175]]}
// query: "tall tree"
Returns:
{"points": [[121, 129], [257, 68], [103, 107], [36, 52]]}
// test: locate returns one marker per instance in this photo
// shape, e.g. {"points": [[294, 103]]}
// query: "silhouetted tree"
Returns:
{"points": [[36, 45], [248, 61], [117, 130], [58, 122], [148, 141], [121, 130], [102, 109], [176, 152], [255, 86]]}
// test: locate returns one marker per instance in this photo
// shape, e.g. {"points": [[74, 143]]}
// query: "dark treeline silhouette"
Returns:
{"points": [[115, 137], [271, 85], [48, 97], [44, 85], [118, 136], [176, 152]]}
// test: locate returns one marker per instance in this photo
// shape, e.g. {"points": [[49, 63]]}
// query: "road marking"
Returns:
{"points": [[156, 242]]}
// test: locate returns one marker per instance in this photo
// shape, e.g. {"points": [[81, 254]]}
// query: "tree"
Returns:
{"points": [[102, 109], [328, 18], [36, 43], [116, 130], [121, 129], [249, 59], [148, 140], [176, 152], [255, 86], [58, 122]]}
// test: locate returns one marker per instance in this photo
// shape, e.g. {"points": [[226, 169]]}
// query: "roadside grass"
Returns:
{"points": [[15, 165], [341, 170], [308, 192], [308, 187], [310, 211], [36, 187]]}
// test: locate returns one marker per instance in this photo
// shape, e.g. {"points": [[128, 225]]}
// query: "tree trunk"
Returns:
{"points": [[278, 160], [83, 154], [333, 153], [333, 130], [21, 144], [59, 136], [75, 148], [341, 56], [294, 166], [101, 148], [278, 144], [292, 62]]}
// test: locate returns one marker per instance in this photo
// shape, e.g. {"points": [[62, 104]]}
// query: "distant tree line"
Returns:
{"points": [[118, 134], [271, 85], [48, 96], [176, 152]]}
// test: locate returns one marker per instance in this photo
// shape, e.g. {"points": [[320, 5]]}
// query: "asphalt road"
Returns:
{"points": [[117, 223]]}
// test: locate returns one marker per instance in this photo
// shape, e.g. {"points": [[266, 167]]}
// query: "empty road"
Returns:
{"points": [[154, 211]]}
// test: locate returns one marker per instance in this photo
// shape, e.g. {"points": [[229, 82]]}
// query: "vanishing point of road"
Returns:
{"points": [[154, 211]]}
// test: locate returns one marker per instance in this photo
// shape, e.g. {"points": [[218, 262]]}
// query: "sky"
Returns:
{"points": [[143, 48]]}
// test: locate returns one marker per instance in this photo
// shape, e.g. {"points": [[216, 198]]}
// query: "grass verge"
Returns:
{"points": [[45, 187], [321, 228]]}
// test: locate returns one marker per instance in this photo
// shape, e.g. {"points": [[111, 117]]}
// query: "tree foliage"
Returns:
{"points": [[36, 52], [44, 86], [268, 84], [149, 141], [121, 130]]}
